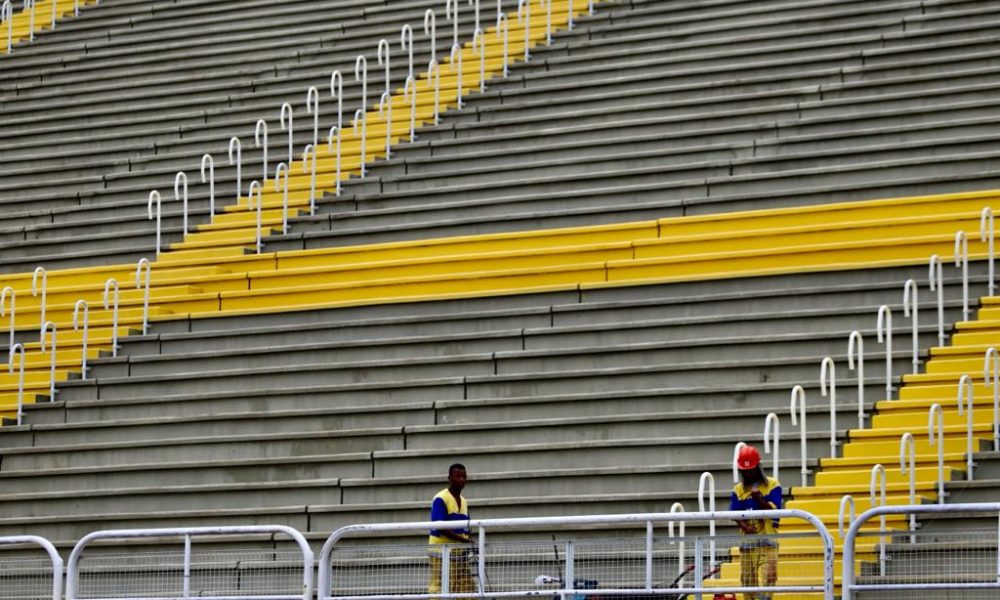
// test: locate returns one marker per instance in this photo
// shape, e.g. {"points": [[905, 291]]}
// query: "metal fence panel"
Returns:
{"points": [[963, 563], [30, 574], [640, 567], [247, 572]]}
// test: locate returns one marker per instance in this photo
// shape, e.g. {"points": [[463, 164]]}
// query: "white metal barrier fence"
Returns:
{"points": [[219, 573], [963, 559], [570, 569], [26, 576]]}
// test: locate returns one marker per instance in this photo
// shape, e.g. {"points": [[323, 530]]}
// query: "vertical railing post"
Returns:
{"points": [[828, 374], [962, 262], [649, 556], [798, 402], [481, 562], [570, 583], [966, 400], [856, 350], [883, 333], [935, 280], [699, 565], [445, 569], [187, 567]]}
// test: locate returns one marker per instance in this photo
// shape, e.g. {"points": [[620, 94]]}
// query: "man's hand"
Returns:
{"points": [[746, 527]]}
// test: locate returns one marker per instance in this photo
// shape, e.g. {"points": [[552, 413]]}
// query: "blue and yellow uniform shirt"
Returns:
{"points": [[741, 500], [444, 507]]}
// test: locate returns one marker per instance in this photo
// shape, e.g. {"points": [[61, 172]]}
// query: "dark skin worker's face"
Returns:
{"points": [[456, 480]]}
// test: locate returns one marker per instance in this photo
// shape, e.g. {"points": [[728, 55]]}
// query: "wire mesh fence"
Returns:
{"points": [[208, 574], [25, 575], [266, 562], [940, 564], [30, 569], [633, 568]]}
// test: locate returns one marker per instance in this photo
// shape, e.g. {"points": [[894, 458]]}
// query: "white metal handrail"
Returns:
{"points": [[707, 480], [524, 17], [308, 162], [935, 417], [798, 402], [736, 454], [155, 198], [3, 313], [966, 399], [503, 30], [772, 427], [935, 281], [260, 139], [187, 533], [962, 262], [361, 117], [455, 62], [986, 234], [281, 172], [112, 283], [883, 332], [49, 326], [430, 30], [17, 349], [568, 579], [286, 118], [336, 150], [361, 74], [548, 21], [828, 374], [256, 189], [406, 44], [856, 351], [911, 309], [236, 158], [7, 14], [451, 13], [385, 113], [848, 581], [86, 328], [209, 162], [181, 193], [479, 48], [50, 549], [29, 5], [993, 382], [878, 476], [40, 272], [312, 108], [410, 95], [434, 70], [847, 501], [475, 3], [569, 13], [383, 60], [143, 267], [908, 446], [674, 508]]}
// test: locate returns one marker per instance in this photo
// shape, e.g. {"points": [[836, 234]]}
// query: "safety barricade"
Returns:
{"points": [[963, 559], [577, 567], [237, 566]]}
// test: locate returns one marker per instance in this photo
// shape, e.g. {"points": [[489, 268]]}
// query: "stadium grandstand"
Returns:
{"points": [[269, 268]]}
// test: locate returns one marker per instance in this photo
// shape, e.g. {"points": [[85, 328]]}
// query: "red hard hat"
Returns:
{"points": [[748, 458]]}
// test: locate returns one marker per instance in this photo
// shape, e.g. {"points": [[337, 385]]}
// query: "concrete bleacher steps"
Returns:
{"points": [[136, 193], [669, 250], [231, 481]]}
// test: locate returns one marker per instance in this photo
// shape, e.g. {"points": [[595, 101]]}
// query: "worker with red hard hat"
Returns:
{"points": [[758, 551]]}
